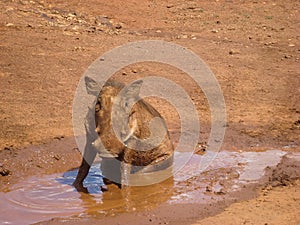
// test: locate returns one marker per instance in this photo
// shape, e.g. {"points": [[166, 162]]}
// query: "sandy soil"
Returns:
{"points": [[271, 207], [251, 46]]}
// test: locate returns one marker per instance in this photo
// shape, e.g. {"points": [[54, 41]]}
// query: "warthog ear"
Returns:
{"points": [[92, 87], [133, 90]]}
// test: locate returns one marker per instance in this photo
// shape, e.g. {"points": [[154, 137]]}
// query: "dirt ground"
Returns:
{"points": [[252, 48], [271, 207]]}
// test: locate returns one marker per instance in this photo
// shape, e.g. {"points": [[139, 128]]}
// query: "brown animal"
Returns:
{"points": [[137, 141]]}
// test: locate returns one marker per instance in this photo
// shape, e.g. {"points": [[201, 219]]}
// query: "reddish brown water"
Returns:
{"points": [[46, 197]]}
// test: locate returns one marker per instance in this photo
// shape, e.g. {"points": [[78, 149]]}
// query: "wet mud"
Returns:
{"points": [[231, 177]]}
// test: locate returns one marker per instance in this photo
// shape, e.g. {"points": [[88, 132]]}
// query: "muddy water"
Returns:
{"points": [[42, 198]]}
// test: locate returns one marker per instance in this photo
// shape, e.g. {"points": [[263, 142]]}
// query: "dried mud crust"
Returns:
{"points": [[277, 203]]}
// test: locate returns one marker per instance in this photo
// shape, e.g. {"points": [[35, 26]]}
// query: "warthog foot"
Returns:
{"points": [[107, 182], [80, 188]]}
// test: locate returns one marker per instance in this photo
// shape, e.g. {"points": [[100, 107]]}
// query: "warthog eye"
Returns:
{"points": [[98, 106]]}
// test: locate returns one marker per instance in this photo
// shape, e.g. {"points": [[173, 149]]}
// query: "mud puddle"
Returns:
{"points": [[42, 198]]}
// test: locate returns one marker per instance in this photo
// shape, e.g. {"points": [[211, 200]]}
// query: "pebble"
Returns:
{"points": [[59, 137], [170, 6], [4, 172], [9, 25], [220, 192], [208, 189], [184, 36], [233, 52], [7, 148], [118, 26], [57, 157], [71, 15], [9, 9], [287, 56], [68, 33]]}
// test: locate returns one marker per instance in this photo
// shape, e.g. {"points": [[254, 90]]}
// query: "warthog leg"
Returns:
{"points": [[89, 156]]}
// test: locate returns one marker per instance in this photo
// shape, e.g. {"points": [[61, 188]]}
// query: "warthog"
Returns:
{"points": [[140, 144]]}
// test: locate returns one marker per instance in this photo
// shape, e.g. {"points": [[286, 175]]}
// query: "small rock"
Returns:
{"points": [[191, 7], [291, 45], [124, 73], [215, 31], [118, 26], [158, 31], [68, 33], [208, 189], [9, 25], [59, 137], [91, 29], [57, 157], [184, 36], [134, 70], [220, 192], [233, 52], [202, 147], [297, 123], [75, 28], [7, 148], [4, 172], [287, 56], [9, 9], [71, 14], [79, 48], [231, 28]]}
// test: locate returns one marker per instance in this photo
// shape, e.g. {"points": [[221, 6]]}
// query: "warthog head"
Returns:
{"points": [[128, 126]]}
